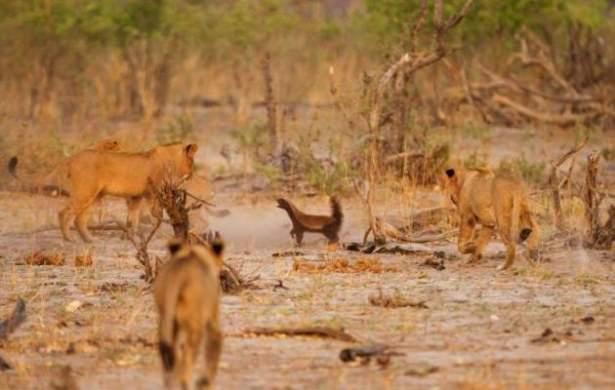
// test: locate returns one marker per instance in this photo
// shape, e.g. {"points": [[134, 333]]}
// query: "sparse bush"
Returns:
{"points": [[475, 160], [476, 131]]}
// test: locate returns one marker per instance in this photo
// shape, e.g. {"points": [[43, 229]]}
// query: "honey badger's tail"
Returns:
{"points": [[336, 212], [12, 166]]}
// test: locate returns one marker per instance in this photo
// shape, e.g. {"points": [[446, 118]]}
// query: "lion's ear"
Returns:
{"points": [[175, 245], [450, 172], [217, 246], [191, 150]]}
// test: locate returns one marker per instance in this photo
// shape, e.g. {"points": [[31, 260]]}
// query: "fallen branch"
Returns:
{"points": [[364, 353], [605, 235], [555, 184], [592, 199], [391, 232], [560, 119], [8, 326], [308, 331], [17, 317]]}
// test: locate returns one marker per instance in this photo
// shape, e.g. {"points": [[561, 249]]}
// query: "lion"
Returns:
{"points": [[187, 295], [489, 203], [93, 174]]}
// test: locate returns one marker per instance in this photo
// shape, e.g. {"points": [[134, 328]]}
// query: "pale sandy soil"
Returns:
{"points": [[477, 331]]}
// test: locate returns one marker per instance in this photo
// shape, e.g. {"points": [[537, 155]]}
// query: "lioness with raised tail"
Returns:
{"points": [[93, 174]]}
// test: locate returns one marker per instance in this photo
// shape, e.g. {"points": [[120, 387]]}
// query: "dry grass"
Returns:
{"points": [[84, 260], [45, 258], [339, 265]]}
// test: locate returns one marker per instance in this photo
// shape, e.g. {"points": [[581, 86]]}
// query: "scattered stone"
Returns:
{"points": [[421, 370], [435, 263], [587, 320]]}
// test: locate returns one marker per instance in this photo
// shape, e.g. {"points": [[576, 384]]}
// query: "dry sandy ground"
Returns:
{"points": [[481, 328]]}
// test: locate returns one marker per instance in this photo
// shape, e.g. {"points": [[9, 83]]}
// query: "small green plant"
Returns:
{"points": [[608, 153], [251, 138], [328, 179], [531, 172], [180, 128], [475, 160], [591, 133], [272, 173], [476, 131]]}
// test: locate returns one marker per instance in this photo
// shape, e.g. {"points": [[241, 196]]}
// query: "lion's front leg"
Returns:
{"points": [[481, 239], [465, 241]]}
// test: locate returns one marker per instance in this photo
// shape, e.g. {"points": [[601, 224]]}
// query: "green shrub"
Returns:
{"points": [[531, 172], [180, 128]]}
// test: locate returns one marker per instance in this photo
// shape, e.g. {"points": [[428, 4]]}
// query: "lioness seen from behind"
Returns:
{"points": [[488, 203], [187, 295]]}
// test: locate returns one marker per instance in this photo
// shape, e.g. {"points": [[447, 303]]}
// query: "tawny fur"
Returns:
{"points": [[187, 295], [93, 174], [328, 225], [488, 203]]}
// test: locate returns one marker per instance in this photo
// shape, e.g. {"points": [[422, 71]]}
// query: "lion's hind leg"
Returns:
{"points": [[64, 217], [213, 349], [81, 206]]}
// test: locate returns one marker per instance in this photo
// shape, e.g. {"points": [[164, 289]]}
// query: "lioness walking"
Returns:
{"points": [[92, 174], [489, 203], [187, 294]]}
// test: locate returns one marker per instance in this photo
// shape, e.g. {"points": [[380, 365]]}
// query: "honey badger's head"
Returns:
{"points": [[283, 204]]}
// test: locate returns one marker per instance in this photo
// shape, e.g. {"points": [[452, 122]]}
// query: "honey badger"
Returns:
{"points": [[328, 225], [187, 295]]}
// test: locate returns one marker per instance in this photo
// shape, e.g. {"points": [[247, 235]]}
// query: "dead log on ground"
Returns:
{"points": [[8, 326], [17, 317]]}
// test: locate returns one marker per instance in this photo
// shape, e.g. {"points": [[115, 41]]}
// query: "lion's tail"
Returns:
{"points": [[37, 184], [167, 324], [516, 216]]}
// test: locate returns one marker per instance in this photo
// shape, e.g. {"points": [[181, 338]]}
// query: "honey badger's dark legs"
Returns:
{"points": [[297, 234]]}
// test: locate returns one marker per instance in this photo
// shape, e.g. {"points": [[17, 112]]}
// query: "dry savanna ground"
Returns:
{"points": [[545, 325]]}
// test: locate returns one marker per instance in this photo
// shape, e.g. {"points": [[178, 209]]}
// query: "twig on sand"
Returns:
{"points": [[394, 301], [231, 280], [308, 331]]}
